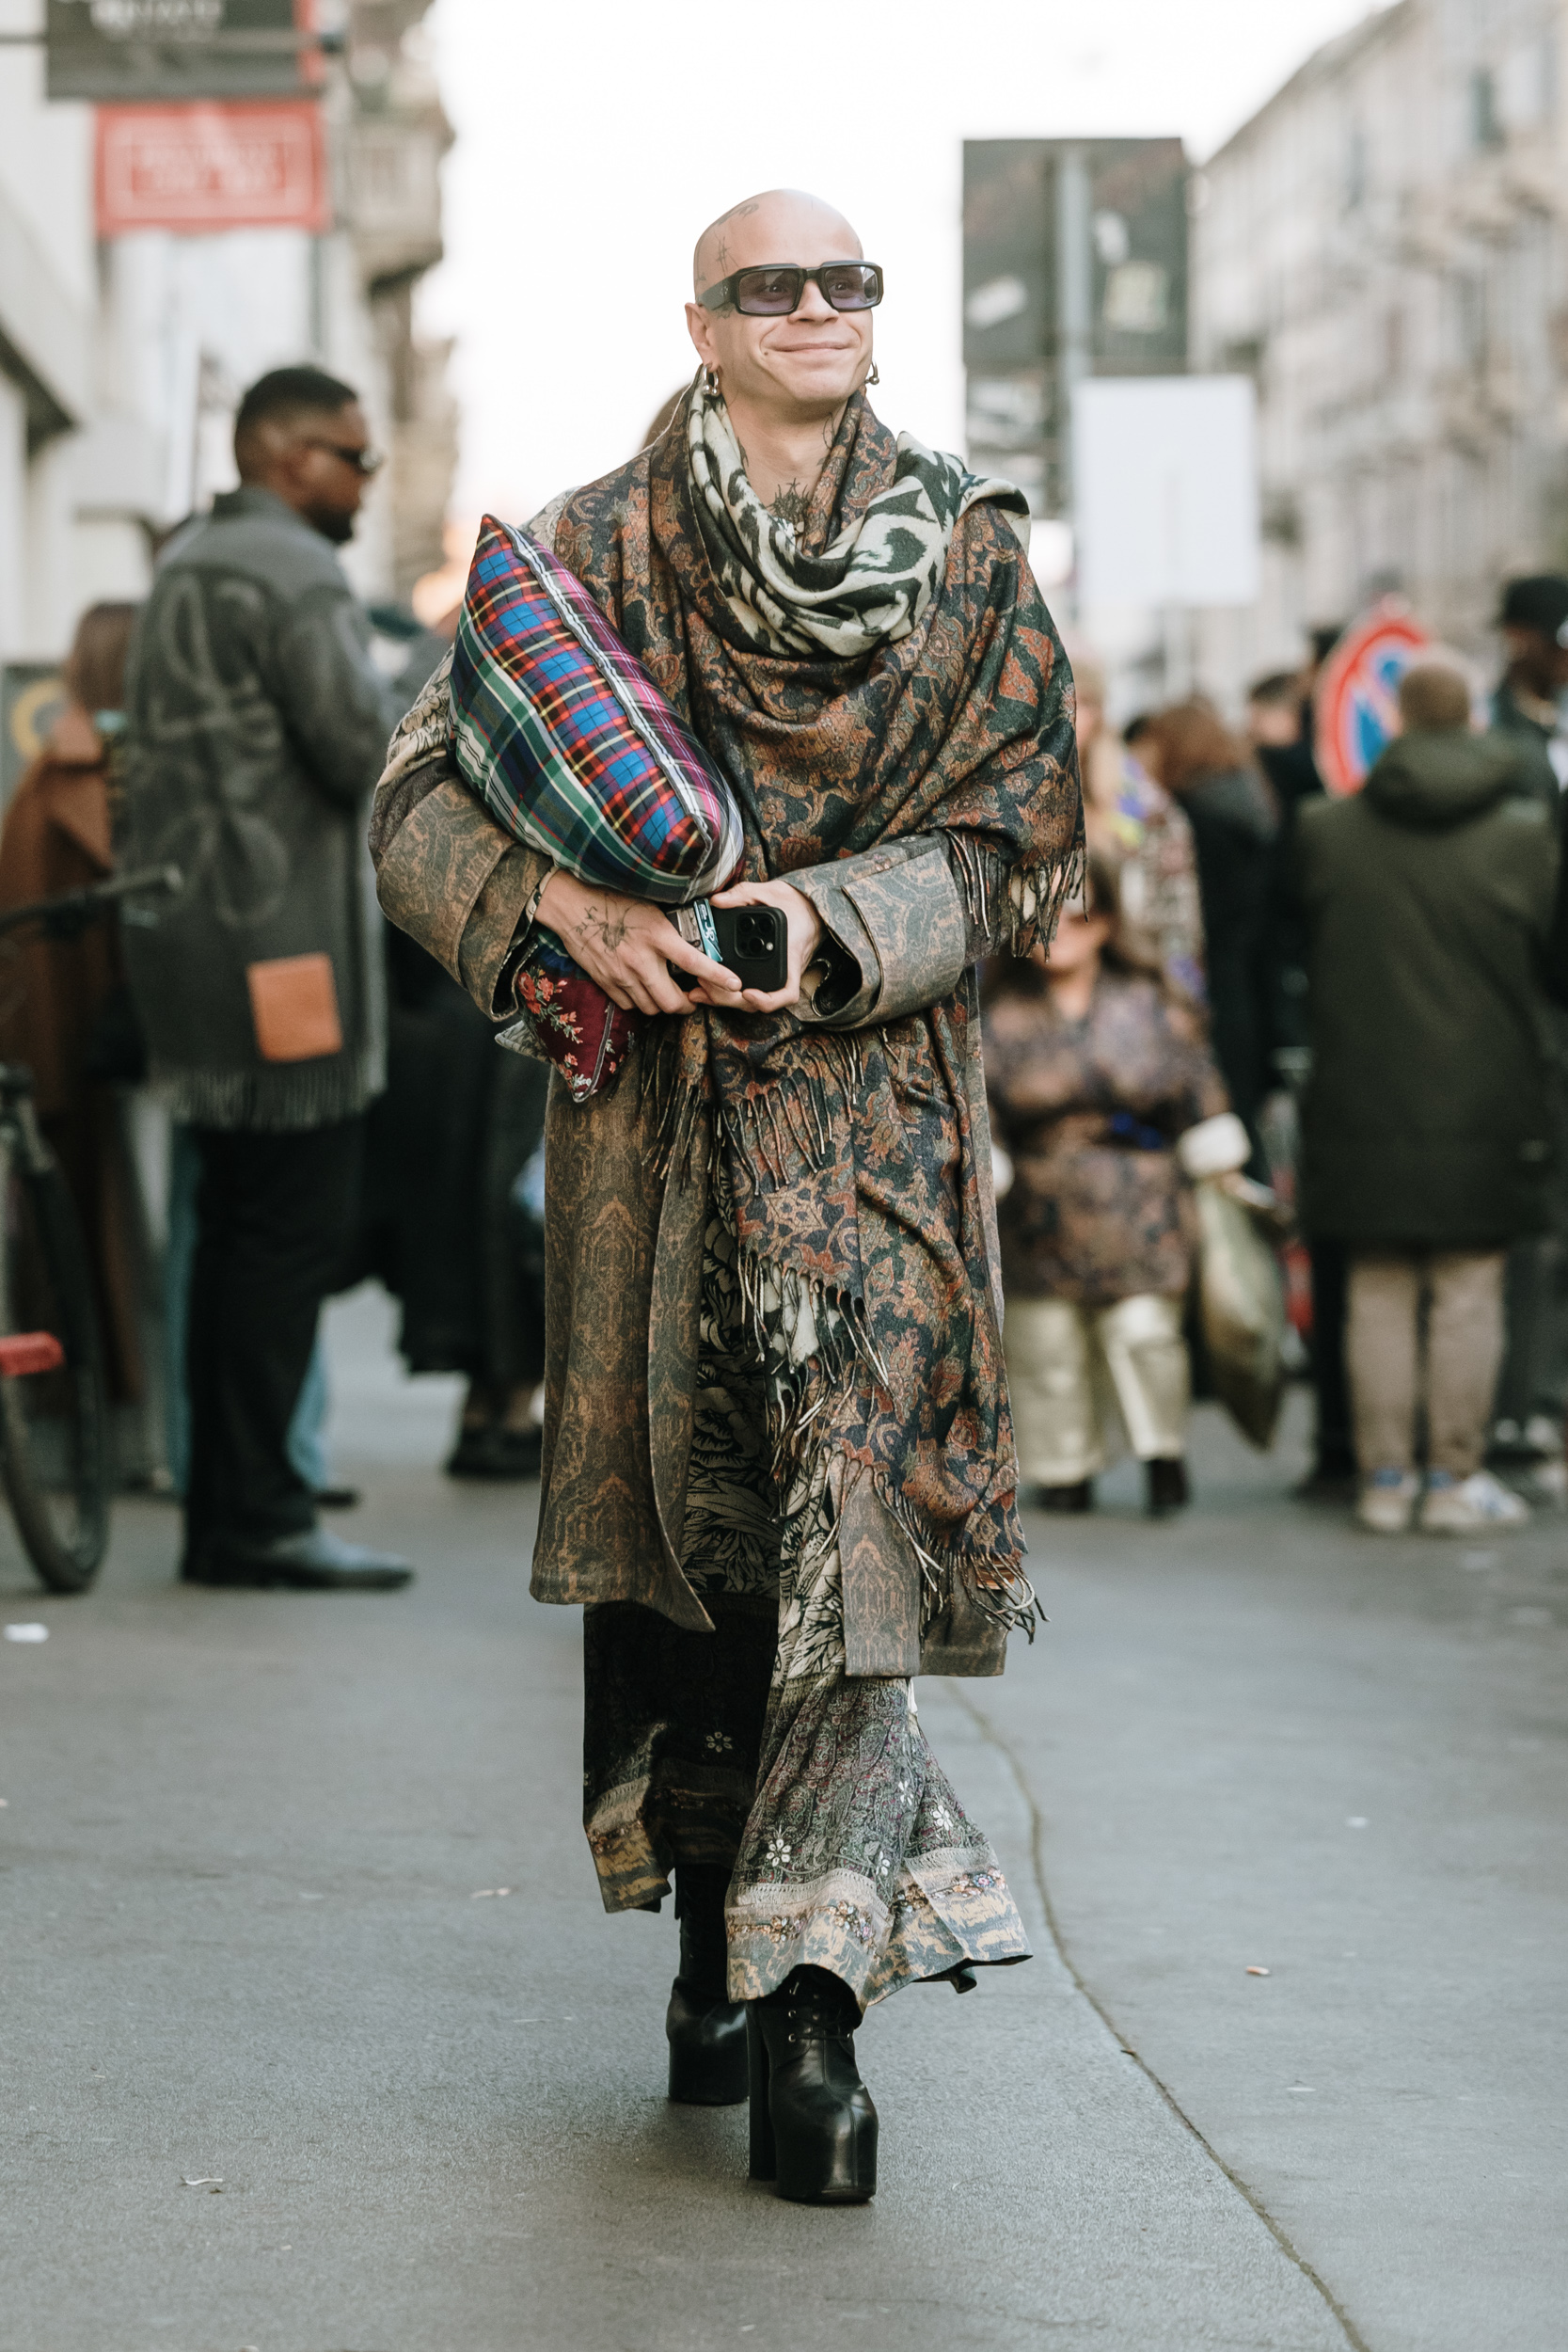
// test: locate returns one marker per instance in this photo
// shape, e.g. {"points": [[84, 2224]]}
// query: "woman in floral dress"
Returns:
{"points": [[1107, 1101]]}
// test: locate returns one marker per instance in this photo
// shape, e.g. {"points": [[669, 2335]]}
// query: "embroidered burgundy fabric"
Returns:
{"points": [[574, 1024]]}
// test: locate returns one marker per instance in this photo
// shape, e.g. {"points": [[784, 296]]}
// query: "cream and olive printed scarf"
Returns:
{"points": [[872, 586]]}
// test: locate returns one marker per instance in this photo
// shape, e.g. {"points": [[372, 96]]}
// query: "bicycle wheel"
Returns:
{"points": [[54, 1425]]}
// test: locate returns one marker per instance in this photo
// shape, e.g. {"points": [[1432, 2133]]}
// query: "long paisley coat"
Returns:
{"points": [[924, 798]]}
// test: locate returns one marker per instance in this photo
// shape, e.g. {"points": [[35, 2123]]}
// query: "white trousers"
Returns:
{"points": [[1072, 1370]]}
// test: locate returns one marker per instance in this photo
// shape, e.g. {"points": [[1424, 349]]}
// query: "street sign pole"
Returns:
{"points": [[1075, 319]]}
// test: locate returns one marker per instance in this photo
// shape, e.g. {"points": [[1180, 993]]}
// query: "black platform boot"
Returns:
{"points": [[705, 2029], [813, 2128]]}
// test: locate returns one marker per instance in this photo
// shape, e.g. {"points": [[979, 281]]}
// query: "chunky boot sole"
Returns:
{"points": [[827, 2158], [707, 2054]]}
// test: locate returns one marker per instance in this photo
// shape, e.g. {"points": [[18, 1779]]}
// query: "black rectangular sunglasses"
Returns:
{"points": [[773, 290]]}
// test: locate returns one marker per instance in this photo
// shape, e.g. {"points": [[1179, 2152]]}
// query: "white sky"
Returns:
{"points": [[594, 141]]}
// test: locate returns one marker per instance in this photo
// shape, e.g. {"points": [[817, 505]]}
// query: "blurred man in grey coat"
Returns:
{"points": [[257, 725]]}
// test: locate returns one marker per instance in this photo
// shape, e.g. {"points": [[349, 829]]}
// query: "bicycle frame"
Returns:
{"points": [[74, 909], [19, 1120], [36, 1216]]}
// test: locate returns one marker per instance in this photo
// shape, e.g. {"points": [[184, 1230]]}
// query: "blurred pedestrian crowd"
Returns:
{"points": [[1284, 1095], [1337, 1019], [326, 1104]]}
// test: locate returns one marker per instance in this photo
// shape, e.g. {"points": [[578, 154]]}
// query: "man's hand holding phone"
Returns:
{"points": [[628, 947], [804, 936]]}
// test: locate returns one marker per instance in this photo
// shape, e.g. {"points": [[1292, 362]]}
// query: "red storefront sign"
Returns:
{"points": [[203, 167]]}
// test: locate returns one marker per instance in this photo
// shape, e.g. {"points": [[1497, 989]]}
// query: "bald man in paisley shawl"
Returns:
{"points": [[778, 1466]]}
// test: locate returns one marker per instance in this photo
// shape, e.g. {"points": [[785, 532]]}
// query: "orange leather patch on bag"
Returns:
{"points": [[294, 1003]]}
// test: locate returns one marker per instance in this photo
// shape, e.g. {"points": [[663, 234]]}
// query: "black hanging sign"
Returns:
{"points": [[120, 51]]}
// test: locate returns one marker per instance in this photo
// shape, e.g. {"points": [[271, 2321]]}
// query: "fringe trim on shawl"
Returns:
{"points": [[1034, 896], [787, 1127], [1001, 1593], [780, 1303]]}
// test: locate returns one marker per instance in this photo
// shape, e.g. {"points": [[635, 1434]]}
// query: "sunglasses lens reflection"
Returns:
{"points": [[762, 293], [857, 286]]}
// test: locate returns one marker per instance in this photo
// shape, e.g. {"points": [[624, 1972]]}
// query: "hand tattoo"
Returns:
{"points": [[610, 930]]}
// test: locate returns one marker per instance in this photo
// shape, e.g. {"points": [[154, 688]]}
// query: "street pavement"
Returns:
{"points": [[313, 2036]]}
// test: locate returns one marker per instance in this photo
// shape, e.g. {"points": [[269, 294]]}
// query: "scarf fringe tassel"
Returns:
{"points": [[1033, 896]]}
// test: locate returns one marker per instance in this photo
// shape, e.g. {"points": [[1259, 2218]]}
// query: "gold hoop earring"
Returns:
{"points": [[875, 376], [710, 382]]}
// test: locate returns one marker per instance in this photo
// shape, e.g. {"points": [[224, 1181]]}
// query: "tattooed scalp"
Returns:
{"points": [[715, 257]]}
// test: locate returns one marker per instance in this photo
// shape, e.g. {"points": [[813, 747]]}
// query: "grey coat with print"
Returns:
{"points": [[257, 723]]}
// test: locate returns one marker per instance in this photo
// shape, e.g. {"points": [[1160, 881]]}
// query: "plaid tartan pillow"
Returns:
{"points": [[568, 743]]}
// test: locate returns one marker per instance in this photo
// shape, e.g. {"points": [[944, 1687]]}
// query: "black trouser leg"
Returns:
{"points": [[1334, 1446], [513, 1246], [274, 1216], [672, 1726], [1532, 1312]]}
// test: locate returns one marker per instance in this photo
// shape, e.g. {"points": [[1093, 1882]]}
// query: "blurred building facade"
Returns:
{"points": [[121, 361], [1075, 264], [1384, 247]]}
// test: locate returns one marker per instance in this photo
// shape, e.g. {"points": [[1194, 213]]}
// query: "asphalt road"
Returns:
{"points": [[281, 2066]]}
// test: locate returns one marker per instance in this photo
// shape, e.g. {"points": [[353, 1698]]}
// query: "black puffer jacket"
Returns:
{"points": [[256, 726]]}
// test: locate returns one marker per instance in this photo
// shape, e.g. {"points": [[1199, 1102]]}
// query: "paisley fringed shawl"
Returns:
{"points": [[853, 1160]]}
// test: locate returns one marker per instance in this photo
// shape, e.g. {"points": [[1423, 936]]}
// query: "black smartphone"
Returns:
{"points": [[753, 942]]}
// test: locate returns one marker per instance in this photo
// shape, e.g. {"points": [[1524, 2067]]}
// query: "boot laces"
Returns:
{"points": [[820, 2008]]}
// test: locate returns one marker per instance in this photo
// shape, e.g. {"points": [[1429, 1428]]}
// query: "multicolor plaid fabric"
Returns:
{"points": [[566, 739]]}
